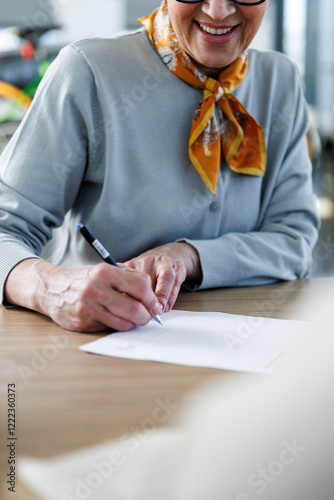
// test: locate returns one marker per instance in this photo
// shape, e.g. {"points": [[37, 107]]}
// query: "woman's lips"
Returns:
{"points": [[215, 34]]}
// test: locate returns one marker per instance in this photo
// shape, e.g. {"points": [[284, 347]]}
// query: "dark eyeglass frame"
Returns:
{"points": [[247, 4]]}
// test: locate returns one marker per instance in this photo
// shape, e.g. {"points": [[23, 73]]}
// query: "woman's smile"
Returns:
{"points": [[211, 33]]}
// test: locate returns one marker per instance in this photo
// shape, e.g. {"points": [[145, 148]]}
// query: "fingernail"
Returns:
{"points": [[157, 309], [162, 305]]}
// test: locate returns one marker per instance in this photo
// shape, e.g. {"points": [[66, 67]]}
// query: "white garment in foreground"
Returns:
{"points": [[207, 339], [113, 470]]}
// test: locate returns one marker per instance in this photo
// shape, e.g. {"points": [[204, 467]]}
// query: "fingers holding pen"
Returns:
{"points": [[144, 295], [116, 296], [99, 297], [167, 274], [137, 286], [167, 267], [127, 294]]}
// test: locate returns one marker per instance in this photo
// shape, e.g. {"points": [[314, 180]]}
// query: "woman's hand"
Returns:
{"points": [[169, 266], [93, 298]]}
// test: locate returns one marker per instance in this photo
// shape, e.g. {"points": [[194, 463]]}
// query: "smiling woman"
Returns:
{"points": [[182, 150], [202, 28]]}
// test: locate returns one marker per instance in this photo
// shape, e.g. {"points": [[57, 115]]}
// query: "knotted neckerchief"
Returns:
{"points": [[241, 136]]}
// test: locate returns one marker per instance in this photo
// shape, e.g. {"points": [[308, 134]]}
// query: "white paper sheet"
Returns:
{"points": [[206, 339]]}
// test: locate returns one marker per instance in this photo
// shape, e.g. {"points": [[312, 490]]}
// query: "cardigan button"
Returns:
{"points": [[215, 206]]}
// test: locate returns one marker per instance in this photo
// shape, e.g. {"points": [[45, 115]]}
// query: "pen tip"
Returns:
{"points": [[79, 225], [158, 319]]}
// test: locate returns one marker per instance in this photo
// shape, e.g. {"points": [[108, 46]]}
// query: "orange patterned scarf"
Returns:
{"points": [[241, 137]]}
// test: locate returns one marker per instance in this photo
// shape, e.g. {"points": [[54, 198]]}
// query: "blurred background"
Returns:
{"points": [[33, 31]]}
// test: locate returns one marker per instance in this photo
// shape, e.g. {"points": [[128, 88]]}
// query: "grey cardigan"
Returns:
{"points": [[105, 142]]}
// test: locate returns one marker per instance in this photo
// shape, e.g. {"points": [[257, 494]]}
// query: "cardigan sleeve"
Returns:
{"points": [[280, 247], [43, 166]]}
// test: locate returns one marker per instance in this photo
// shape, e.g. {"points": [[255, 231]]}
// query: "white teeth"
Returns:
{"points": [[212, 31]]}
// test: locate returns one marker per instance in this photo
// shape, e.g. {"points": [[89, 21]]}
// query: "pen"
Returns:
{"points": [[103, 253]]}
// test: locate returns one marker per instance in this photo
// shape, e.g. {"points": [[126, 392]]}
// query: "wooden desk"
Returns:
{"points": [[67, 399]]}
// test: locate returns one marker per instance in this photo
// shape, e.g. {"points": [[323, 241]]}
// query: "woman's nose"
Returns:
{"points": [[218, 9]]}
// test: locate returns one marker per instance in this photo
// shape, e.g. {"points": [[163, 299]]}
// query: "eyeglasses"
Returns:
{"points": [[245, 2]]}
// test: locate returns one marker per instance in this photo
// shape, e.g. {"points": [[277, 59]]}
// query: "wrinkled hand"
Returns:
{"points": [[102, 296], [93, 298], [168, 267]]}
